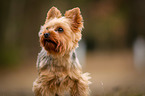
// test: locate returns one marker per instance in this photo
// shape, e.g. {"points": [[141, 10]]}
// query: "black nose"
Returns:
{"points": [[46, 35]]}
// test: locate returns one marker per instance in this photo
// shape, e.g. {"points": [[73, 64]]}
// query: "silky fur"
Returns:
{"points": [[59, 71]]}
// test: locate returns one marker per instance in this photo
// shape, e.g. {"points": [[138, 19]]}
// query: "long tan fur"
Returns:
{"points": [[59, 71]]}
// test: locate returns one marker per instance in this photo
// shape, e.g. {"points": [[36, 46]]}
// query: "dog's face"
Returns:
{"points": [[60, 34]]}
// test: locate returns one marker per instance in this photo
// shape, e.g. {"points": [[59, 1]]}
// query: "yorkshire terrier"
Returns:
{"points": [[59, 71]]}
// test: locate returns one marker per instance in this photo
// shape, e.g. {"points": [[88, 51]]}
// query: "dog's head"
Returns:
{"points": [[60, 34]]}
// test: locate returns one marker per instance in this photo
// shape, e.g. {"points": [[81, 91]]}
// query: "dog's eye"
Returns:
{"points": [[46, 28], [60, 29]]}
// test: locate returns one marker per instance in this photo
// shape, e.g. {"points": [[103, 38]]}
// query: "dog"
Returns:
{"points": [[59, 71]]}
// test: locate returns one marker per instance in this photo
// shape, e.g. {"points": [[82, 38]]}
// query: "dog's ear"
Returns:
{"points": [[52, 13], [76, 18]]}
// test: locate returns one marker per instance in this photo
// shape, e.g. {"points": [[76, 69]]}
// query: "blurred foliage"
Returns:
{"points": [[109, 24], [9, 57]]}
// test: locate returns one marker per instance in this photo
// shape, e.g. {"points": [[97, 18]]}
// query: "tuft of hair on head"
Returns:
{"points": [[76, 19], [53, 13]]}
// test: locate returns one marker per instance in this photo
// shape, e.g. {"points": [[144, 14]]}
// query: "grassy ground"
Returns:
{"points": [[113, 74]]}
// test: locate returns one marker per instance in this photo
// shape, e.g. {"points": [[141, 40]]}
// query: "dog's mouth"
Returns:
{"points": [[51, 44], [47, 41]]}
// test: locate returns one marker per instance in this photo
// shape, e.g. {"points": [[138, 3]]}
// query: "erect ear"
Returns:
{"points": [[75, 16], [52, 13]]}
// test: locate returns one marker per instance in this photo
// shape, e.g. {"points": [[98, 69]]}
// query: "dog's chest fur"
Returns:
{"points": [[63, 65], [57, 74]]}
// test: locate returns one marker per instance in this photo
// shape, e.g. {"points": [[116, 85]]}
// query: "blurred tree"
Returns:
{"points": [[136, 21]]}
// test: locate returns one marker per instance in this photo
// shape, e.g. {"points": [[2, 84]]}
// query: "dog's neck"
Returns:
{"points": [[57, 63]]}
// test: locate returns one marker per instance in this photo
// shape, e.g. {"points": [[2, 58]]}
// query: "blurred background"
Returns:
{"points": [[112, 48]]}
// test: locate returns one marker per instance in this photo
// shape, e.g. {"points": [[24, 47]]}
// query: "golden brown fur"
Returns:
{"points": [[58, 67]]}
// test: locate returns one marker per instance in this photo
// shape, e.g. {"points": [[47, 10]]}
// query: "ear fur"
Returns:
{"points": [[76, 18], [52, 13]]}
